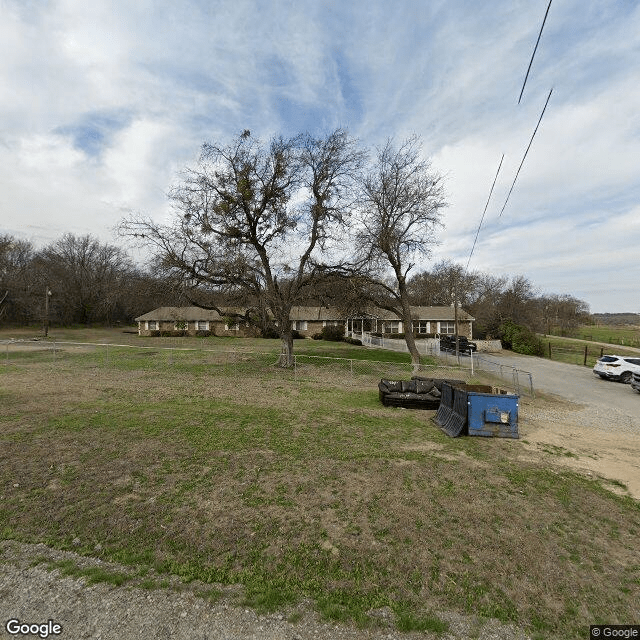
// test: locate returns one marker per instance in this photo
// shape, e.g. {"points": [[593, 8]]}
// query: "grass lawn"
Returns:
{"points": [[303, 490], [129, 336], [563, 350], [622, 335]]}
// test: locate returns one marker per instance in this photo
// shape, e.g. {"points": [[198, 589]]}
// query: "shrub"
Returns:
{"points": [[333, 334], [317, 336], [520, 339], [155, 333], [204, 333], [269, 333], [297, 335], [353, 341]]}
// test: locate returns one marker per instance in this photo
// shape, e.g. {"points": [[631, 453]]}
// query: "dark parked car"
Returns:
{"points": [[448, 343], [635, 382]]}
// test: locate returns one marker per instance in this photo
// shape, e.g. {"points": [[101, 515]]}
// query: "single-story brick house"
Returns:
{"points": [[426, 320], [193, 320], [305, 320]]}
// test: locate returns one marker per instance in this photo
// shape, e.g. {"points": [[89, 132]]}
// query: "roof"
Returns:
{"points": [[311, 314], [183, 313], [421, 313]]}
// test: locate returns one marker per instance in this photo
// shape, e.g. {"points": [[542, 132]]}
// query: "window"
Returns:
{"points": [[181, 325], [152, 325], [392, 326], [331, 323], [202, 325], [299, 325], [448, 327], [232, 326], [422, 326]]}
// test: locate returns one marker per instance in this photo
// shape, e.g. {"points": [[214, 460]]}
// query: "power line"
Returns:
{"points": [[484, 212], [534, 51], [525, 153]]}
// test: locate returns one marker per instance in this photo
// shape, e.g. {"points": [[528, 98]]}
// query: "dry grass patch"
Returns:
{"points": [[299, 490]]}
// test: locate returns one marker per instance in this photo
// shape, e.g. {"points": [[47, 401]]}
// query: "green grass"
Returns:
{"points": [[619, 335], [234, 473], [571, 351]]}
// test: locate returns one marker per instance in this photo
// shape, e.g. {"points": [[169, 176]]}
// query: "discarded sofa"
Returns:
{"points": [[473, 410], [417, 393]]}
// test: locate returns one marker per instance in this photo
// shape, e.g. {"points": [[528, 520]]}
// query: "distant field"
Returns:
{"points": [[623, 335], [229, 471], [563, 350]]}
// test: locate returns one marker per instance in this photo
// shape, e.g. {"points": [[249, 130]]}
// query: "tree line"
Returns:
{"points": [[75, 280], [268, 226]]}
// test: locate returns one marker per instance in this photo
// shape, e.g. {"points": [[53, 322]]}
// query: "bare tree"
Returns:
{"points": [[402, 205], [252, 219], [16, 300], [444, 282], [87, 278]]}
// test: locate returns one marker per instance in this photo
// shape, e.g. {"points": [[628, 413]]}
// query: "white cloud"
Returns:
{"points": [[104, 101]]}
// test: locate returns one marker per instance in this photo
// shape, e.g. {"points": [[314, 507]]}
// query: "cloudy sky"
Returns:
{"points": [[103, 102]]}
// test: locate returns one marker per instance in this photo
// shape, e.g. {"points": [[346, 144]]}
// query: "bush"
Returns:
{"points": [[297, 335], [317, 336], [353, 341], [520, 339], [155, 333], [203, 333], [333, 334], [269, 333]]}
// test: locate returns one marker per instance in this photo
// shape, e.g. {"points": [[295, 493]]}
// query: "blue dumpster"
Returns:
{"points": [[492, 415]]}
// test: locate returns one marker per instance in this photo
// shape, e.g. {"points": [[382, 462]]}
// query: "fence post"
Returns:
{"points": [[533, 395], [295, 366], [471, 358], [585, 356], [7, 349], [550, 358]]}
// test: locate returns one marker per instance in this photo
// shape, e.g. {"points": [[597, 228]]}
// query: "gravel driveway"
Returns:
{"points": [[580, 385]]}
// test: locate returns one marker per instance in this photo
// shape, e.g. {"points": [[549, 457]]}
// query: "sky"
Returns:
{"points": [[102, 103]]}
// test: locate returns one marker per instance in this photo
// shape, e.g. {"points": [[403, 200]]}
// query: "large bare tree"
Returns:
{"points": [[402, 202], [253, 218], [87, 278]]}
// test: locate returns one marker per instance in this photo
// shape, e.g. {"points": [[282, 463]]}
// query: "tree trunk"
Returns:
{"points": [[408, 334], [286, 352]]}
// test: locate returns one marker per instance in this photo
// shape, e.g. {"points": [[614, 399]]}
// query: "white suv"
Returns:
{"points": [[619, 368]]}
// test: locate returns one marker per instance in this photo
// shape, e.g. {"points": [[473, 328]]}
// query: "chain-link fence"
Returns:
{"points": [[351, 371], [521, 381], [240, 363]]}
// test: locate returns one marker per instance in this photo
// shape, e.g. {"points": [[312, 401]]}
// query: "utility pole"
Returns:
{"points": [[47, 293]]}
